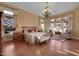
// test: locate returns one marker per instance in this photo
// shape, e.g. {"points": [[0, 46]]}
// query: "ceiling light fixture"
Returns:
{"points": [[8, 12], [47, 11]]}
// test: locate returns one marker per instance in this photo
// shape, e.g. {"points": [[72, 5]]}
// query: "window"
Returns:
{"points": [[8, 22], [56, 24], [68, 22], [52, 20], [52, 24], [42, 24], [62, 24]]}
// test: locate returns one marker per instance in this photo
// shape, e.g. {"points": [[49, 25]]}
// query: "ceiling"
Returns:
{"points": [[37, 7]]}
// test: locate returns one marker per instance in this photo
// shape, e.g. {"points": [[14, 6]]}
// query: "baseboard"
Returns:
{"points": [[75, 38]]}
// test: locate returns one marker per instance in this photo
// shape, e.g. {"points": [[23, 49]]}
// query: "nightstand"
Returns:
{"points": [[18, 36]]}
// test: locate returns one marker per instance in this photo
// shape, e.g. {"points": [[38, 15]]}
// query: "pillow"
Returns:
{"points": [[34, 30], [30, 30], [38, 37]]}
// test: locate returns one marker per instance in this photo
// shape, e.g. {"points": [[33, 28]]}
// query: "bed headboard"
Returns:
{"points": [[29, 29]]}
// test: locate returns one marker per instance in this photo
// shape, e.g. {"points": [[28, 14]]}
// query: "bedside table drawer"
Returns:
{"points": [[17, 36]]}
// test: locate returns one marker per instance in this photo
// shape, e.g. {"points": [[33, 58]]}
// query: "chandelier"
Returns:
{"points": [[46, 11]]}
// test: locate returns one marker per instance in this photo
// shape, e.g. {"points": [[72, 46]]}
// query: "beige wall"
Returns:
{"points": [[22, 18], [76, 23], [27, 19]]}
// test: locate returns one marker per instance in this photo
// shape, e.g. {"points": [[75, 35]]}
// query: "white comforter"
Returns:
{"points": [[32, 35]]}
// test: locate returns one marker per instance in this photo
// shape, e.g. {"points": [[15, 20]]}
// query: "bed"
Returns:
{"points": [[33, 35]]}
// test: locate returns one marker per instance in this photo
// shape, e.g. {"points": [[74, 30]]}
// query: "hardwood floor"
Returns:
{"points": [[50, 48]]}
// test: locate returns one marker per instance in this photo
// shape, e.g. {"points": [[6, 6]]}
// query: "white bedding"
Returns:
{"points": [[32, 35]]}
